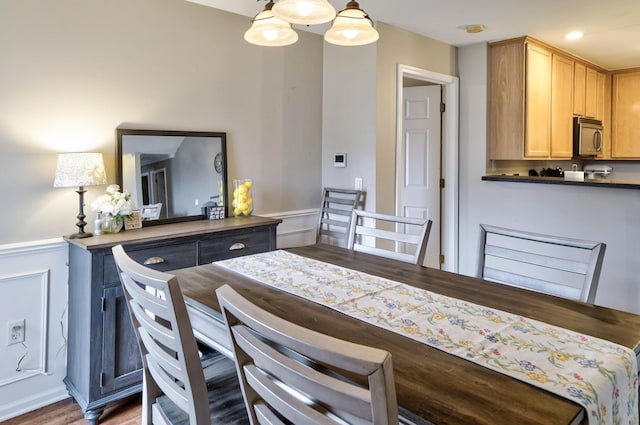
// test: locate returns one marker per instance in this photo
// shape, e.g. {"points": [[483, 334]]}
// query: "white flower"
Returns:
{"points": [[114, 202]]}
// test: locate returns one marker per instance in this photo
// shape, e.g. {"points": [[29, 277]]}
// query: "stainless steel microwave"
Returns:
{"points": [[587, 137]]}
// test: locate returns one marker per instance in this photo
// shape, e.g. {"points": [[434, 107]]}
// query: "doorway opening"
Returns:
{"points": [[448, 209]]}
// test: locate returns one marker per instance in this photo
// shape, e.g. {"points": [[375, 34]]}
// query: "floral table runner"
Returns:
{"points": [[600, 375]]}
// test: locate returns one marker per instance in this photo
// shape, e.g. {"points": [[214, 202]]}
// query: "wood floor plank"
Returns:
{"points": [[67, 412]]}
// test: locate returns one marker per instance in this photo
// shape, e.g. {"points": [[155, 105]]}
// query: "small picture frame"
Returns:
{"points": [[133, 221], [216, 213]]}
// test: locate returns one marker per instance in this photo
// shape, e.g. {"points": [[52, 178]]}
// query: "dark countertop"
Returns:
{"points": [[603, 182]]}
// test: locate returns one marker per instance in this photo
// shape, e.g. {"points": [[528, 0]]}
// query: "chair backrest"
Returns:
{"points": [[568, 268], [335, 214], [151, 211], [404, 238], [169, 351], [299, 373]]}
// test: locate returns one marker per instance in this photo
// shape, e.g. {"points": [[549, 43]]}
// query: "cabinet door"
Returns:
{"points": [[600, 96], [121, 361], [591, 92], [562, 107], [538, 102], [506, 126], [579, 88], [625, 118]]}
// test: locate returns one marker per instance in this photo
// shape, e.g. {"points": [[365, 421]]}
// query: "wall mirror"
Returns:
{"points": [[172, 175]]}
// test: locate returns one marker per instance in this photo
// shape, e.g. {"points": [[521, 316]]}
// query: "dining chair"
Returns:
{"points": [[151, 211], [335, 214], [395, 237], [565, 267], [174, 387], [291, 374]]}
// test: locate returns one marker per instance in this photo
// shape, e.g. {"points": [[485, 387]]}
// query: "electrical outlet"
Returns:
{"points": [[16, 332]]}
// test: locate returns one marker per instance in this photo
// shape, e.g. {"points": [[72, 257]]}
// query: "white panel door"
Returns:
{"points": [[418, 162]]}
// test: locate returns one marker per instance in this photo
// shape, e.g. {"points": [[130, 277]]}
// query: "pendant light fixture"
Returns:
{"points": [[305, 12], [268, 30], [351, 27]]}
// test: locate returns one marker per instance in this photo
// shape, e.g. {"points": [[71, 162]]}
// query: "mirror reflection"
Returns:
{"points": [[172, 175]]}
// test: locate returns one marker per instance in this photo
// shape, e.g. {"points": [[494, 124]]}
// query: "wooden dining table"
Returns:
{"points": [[431, 384]]}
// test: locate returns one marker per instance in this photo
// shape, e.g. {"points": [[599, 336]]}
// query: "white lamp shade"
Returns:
{"points": [[80, 169], [305, 12], [352, 27], [267, 30]]}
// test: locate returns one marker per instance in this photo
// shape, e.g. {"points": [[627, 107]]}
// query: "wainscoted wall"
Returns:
{"points": [[298, 228], [33, 286]]}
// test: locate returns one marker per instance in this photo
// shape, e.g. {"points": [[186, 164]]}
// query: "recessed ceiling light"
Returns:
{"points": [[574, 35], [474, 29]]}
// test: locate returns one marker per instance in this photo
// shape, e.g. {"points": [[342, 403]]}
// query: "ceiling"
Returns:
{"points": [[611, 28]]}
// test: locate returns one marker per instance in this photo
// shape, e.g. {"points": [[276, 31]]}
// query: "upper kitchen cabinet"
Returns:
{"points": [[531, 101], [589, 92], [579, 89], [625, 120], [561, 107]]}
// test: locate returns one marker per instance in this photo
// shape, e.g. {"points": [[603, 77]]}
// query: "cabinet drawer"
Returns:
{"points": [[234, 245], [169, 257]]}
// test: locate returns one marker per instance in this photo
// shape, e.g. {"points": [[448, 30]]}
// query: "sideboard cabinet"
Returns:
{"points": [[103, 359]]}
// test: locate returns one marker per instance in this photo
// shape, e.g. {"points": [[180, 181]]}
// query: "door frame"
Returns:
{"points": [[449, 152]]}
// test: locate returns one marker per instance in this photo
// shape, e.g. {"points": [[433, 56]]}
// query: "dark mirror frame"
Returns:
{"points": [[222, 137]]}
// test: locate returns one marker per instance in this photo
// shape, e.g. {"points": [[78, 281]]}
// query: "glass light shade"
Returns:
{"points": [[352, 27], [305, 12], [80, 169], [267, 30]]}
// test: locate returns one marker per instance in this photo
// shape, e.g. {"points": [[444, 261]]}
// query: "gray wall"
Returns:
{"points": [[73, 71], [359, 110], [608, 215]]}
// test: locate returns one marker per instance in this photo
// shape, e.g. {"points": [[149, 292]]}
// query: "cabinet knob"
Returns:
{"points": [[153, 260], [236, 246]]}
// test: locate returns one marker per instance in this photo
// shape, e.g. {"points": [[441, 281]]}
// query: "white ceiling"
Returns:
{"points": [[611, 27]]}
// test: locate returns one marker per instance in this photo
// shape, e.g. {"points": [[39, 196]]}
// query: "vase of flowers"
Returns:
{"points": [[113, 207]]}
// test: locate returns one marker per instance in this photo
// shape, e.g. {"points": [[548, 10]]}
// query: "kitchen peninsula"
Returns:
{"points": [[604, 183]]}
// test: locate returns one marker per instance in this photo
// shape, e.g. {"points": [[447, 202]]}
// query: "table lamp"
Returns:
{"points": [[80, 169]]}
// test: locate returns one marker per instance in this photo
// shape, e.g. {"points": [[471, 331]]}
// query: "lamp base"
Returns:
{"points": [[80, 235]]}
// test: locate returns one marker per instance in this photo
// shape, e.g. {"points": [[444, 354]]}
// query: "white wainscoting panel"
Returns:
{"points": [[298, 228], [23, 360], [33, 286]]}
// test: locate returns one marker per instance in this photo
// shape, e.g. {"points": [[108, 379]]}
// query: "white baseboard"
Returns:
{"points": [[28, 404]]}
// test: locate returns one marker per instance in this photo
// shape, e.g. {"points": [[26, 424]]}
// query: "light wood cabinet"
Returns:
{"points": [[589, 92], [561, 107], [590, 100], [625, 111], [601, 100], [579, 89], [506, 100], [538, 102], [531, 102]]}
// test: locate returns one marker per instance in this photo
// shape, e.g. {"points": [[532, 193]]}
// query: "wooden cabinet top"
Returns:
{"points": [[528, 39], [174, 230]]}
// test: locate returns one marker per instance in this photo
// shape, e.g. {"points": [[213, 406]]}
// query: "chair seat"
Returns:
{"points": [[226, 404]]}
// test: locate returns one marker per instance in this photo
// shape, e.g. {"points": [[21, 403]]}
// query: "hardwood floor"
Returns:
{"points": [[66, 412]]}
